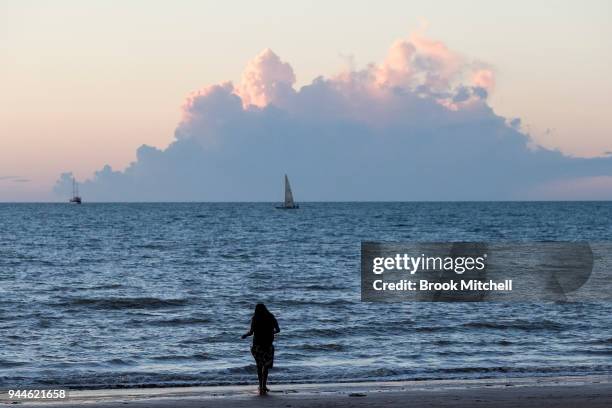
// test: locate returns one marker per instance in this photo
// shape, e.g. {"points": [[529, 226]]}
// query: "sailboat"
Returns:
{"points": [[289, 204], [76, 199]]}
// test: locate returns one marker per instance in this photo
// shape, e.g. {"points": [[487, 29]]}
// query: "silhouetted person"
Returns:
{"points": [[263, 326]]}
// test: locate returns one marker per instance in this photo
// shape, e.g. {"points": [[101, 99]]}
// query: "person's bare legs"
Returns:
{"points": [[264, 375], [260, 378]]}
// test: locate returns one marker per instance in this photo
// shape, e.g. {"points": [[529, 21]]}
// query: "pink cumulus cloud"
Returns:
{"points": [[484, 78], [396, 69], [416, 63], [265, 80]]}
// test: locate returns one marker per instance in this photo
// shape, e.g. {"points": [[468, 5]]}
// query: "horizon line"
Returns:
{"points": [[315, 202]]}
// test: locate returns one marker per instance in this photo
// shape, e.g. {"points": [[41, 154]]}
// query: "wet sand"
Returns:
{"points": [[594, 391]]}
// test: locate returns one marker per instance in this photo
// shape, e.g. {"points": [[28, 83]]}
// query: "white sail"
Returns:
{"points": [[288, 195]]}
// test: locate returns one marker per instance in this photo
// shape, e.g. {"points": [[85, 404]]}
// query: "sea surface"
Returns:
{"points": [[132, 295]]}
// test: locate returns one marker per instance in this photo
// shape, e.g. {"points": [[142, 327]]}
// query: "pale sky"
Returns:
{"points": [[84, 83]]}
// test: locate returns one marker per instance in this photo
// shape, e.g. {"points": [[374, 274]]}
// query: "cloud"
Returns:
{"points": [[266, 80], [483, 78], [416, 126], [14, 179]]}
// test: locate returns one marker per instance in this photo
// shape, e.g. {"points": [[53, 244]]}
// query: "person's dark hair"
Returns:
{"points": [[261, 313]]}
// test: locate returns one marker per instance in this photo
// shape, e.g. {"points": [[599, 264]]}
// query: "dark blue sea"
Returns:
{"points": [[131, 295]]}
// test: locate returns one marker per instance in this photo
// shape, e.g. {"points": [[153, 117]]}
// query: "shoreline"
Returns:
{"points": [[566, 391]]}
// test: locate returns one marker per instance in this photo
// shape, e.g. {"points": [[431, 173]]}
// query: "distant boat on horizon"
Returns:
{"points": [[76, 198], [289, 204]]}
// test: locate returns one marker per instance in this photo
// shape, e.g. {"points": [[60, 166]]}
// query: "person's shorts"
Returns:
{"points": [[264, 356]]}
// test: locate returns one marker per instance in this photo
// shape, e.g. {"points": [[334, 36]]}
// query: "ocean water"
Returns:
{"points": [[131, 295]]}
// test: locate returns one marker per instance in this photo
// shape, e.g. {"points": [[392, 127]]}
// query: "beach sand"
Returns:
{"points": [[515, 392]]}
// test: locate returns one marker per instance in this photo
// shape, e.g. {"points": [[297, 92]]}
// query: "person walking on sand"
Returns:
{"points": [[263, 328]]}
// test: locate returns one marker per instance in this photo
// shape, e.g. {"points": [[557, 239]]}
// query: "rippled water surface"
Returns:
{"points": [[107, 295]]}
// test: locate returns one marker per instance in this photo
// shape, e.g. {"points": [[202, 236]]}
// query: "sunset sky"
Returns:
{"points": [[84, 84]]}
